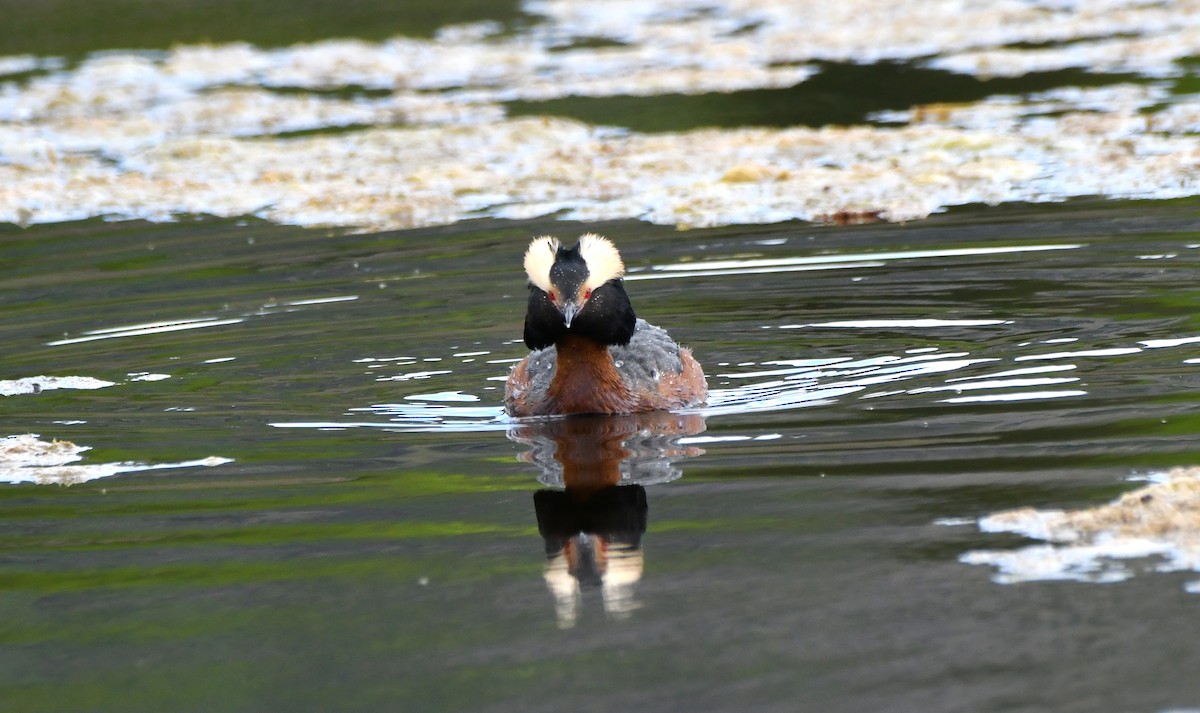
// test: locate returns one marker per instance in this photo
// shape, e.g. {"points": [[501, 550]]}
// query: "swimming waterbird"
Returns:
{"points": [[591, 352]]}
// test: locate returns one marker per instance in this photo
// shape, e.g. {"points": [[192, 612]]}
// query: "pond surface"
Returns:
{"points": [[301, 492]]}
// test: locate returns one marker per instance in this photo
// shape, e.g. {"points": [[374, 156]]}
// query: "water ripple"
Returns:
{"points": [[139, 330], [754, 266], [184, 324], [955, 377]]}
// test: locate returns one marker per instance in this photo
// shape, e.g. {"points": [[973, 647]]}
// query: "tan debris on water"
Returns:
{"points": [[1160, 520], [26, 458], [213, 129]]}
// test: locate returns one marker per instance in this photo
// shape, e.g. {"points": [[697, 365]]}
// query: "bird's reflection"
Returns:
{"points": [[594, 513]]}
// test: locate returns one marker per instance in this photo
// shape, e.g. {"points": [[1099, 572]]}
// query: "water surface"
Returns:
{"points": [[341, 517]]}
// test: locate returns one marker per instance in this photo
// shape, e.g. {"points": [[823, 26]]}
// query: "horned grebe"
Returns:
{"points": [[591, 352]]}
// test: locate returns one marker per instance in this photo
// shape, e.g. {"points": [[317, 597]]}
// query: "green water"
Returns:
{"points": [[840, 93], [372, 536], [75, 27], [367, 551]]}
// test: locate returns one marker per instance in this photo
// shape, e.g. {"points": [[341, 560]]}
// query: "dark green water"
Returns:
{"points": [[374, 543], [375, 535], [76, 27], [840, 93]]}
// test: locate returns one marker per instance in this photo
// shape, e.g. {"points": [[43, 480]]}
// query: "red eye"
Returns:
{"points": [[587, 295], [552, 297]]}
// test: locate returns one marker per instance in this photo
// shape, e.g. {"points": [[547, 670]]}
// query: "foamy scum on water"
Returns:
{"points": [[1107, 543], [25, 458], [204, 129]]}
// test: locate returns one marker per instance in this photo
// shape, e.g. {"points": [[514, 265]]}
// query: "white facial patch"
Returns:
{"points": [[603, 260], [538, 259]]}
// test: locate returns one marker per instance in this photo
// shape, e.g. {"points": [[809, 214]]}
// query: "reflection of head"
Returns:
{"points": [[593, 526], [593, 542]]}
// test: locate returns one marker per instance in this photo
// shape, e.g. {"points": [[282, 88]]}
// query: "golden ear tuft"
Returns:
{"points": [[603, 261], [538, 259]]}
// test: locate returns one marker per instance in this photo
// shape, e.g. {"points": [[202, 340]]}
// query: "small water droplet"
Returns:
{"points": [[618, 363]]}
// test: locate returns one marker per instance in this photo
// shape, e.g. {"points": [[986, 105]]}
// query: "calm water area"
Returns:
{"points": [[373, 542], [293, 487]]}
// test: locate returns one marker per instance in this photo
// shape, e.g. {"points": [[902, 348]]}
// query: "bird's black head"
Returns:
{"points": [[576, 290]]}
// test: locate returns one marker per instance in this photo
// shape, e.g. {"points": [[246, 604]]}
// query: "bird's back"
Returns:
{"points": [[656, 372]]}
